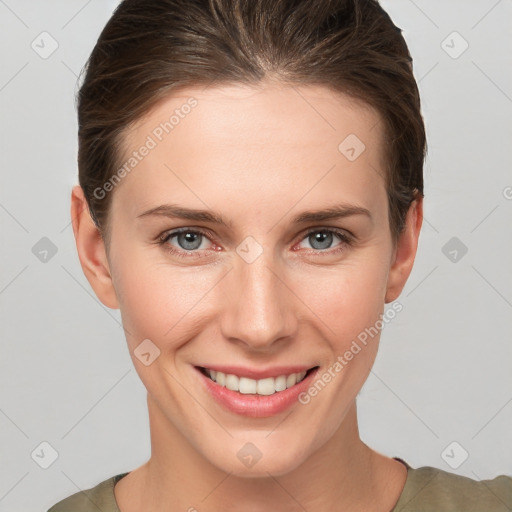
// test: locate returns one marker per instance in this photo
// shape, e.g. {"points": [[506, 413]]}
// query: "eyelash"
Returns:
{"points": [[346, 240]]}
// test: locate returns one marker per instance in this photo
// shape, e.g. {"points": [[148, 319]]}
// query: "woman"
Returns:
{"points": [[251, 197]]}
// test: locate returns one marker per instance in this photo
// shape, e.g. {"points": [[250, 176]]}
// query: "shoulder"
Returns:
{"points": [[432, 489], [101, 497]]}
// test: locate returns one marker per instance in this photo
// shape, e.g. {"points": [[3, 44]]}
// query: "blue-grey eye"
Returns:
{"points": [[321, 239], [189, 240]]}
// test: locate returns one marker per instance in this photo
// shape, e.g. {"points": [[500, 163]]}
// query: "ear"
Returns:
{"points": [[405, 251], [91, 250]]}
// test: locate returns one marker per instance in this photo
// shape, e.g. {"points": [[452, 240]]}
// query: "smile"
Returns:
{"points": [[247, 386], [256, 393]]}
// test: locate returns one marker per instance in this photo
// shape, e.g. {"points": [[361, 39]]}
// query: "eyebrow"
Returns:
{"points": [[175, 211]]}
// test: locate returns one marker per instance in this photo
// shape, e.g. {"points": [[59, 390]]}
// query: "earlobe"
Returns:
{"points": [[405, 251], [91, 250]]}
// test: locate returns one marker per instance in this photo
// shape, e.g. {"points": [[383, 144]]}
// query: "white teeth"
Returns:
{"points": [[280, 383], [232, 382], [247, 386], [291, 380], [265, 386], [219, 378]]}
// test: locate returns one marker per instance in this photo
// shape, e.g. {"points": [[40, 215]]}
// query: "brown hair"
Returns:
{"points": [[150, 48]]}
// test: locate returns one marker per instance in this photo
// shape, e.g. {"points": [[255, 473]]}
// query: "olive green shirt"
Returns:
{"points": [[427, 489]]}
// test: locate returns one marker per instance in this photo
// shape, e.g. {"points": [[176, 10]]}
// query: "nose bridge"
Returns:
{"points": [[259, 309]]}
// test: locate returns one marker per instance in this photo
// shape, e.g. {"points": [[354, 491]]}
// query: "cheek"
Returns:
{"points": [[168, 304], [158, 301], [348, 298]]}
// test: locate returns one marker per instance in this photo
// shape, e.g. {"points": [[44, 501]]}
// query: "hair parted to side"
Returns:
{"points": [[150, 48]]}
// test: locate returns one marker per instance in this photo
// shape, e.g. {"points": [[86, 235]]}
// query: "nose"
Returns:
{"points": [[259, 305]]}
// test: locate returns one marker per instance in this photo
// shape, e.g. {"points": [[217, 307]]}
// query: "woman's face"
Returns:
{"points": [[254, 276]]}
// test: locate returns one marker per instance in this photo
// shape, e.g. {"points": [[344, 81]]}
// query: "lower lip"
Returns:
{"points": [[257, 406]]}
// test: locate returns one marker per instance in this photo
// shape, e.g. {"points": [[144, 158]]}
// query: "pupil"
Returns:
{"points": [[323, 238], [189, 240]]}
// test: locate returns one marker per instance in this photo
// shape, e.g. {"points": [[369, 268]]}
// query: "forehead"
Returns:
{"points": [[258, 110], [271, 140]]}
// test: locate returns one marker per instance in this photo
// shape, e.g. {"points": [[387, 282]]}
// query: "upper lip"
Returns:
{"points": [[258, 373]]}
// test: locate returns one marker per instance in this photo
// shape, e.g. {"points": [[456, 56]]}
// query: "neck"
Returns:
{"points": [[343, 474]]}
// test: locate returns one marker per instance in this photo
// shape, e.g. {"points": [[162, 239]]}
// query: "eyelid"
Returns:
{"points": [[338, 231], [347, 238], [206, 232], [176, 231]]}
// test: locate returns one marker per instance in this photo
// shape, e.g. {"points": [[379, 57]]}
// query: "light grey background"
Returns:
{"points": [[443, 373]]}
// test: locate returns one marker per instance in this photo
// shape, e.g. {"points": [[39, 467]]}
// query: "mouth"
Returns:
{"points": [[247, 386], [274, 393]]}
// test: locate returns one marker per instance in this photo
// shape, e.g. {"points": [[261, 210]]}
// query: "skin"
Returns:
{"points": [[258, 156]]}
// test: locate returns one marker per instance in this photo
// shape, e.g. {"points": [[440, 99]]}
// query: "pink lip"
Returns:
{"points": [[257, 406], [253, 373]]}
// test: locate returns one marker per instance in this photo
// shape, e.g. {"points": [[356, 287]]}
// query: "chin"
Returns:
{"points": [[249, 461]]}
